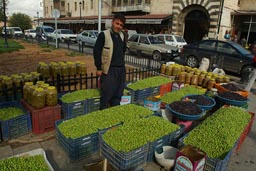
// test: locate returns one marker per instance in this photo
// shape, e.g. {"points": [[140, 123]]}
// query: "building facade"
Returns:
{"points": [[191, 18]]}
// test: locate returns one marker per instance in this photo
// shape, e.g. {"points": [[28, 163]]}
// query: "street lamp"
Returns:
{"points": [[37, 18], [80, 6]]}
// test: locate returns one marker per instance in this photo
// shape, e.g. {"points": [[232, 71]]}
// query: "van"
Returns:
{"points": [[173, 40], [14, 31], [43, 32]]}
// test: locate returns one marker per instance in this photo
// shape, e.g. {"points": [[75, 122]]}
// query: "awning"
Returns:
{"points": [[140, 19]]}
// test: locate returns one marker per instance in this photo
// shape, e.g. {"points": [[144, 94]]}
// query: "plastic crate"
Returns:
{"points": [[17, 126], [155, 91], [245, 132], [242, 92], [71, 110], [78, 148], [157, 146], [166, 88], [214, 164], [43, 120], [93, 104], [175, 136], [139, 95], [125, 161]]}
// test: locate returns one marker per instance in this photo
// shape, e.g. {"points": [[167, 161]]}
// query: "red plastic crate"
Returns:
{"points": [[43, 120], [245, 132], [166, 88]]}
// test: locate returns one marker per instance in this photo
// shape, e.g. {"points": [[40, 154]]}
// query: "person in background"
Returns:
{"points": [[245, 77], [252, 76], [108, 52]]}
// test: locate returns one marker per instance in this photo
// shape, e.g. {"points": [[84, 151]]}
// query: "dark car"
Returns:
{"points": [[232, 56]]}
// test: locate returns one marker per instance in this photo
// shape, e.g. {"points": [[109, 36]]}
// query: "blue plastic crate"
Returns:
{"points": [[125, 161], [157, 146], [17, 126], [214, 164], [78, 148], [74, 109], [93, 104], [139, 95], [175, 136]]}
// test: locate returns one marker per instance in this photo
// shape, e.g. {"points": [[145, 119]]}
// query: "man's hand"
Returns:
{"points": [[98, 72]]}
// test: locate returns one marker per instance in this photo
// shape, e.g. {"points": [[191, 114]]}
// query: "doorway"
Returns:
{"points": [[196, 26]]}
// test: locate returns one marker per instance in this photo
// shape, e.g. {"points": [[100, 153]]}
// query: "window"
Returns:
{"points": [[161, 38], [134, 38], [68, 7], [143, 40], [210, 45], [75, 6], [169, 38], [119, 3], [139, 2], [223, 47], [85, 34], [125, 2], [147, 1], [132, 2], [113, 2], [91, 4], [62, 3], [83, 5]]}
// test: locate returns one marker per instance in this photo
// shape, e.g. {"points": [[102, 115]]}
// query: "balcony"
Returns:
{"points": [[141, 7]]}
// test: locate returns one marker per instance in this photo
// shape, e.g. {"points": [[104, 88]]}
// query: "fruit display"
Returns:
{"points": [[219, 132], [80, 95], [231, 87], [93, 122], [149, 82], [36, 162], [232, 96], [200, 100], [10, 112], [177, 95], [136, 133], [185, 107]]}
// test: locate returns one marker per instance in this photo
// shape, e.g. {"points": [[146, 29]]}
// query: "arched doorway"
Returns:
{"points": [[196, 26]]}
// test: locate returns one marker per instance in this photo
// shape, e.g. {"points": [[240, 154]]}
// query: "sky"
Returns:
{"points": [[29, 7]]}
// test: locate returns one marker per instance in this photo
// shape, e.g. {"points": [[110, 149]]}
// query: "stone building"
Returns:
{"points": [[191, 18]]}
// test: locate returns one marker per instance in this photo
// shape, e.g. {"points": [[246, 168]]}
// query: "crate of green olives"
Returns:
{"points": [[93, 104], [32, 160], [139, 95], [15, 121], [78, 148], [124, 160]]}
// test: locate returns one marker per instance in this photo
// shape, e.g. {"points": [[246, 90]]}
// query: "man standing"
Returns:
{"points": [[108, 55]]}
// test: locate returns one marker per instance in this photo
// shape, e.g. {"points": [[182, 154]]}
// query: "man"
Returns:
{"points": [[108, 55]]}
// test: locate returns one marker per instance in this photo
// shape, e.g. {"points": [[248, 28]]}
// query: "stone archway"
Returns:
{"points": [[196, 25]]}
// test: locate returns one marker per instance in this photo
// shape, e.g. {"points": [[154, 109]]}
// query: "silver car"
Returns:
{"points": [[149, 45], [88, 37]]}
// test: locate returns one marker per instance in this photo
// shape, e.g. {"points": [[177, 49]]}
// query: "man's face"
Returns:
{"points": [[117, 25]]}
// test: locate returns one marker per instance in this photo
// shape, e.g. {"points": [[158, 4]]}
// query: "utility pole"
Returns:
{"points": [[220, 16], [99, 17], [37, 18], [5, 31]]}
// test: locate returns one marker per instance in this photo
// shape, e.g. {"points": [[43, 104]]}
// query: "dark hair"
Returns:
{"points": [[119, 16]]}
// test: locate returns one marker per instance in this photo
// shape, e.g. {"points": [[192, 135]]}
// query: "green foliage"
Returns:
{"points": [[136, 133], [149, 82], [20, 20], [219, 132], [10, 112], [36, 162], [90, 123], [12, 46], [80, 95]]}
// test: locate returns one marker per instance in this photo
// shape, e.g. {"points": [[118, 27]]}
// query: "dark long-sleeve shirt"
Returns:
{"points": [[119, 47]]}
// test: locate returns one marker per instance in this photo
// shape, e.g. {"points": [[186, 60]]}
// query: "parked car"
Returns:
{"points": [[173, 40], [30, 33], [88, 37], [14, 31], [150, 45], [43, 32], [232, 56], [63, 35]]}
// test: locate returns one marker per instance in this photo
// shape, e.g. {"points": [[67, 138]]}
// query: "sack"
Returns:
{"points": [[218, 71], [204, 64]]}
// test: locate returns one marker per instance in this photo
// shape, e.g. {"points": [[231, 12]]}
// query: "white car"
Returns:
{"points": [[63, 35], [88, 37], [173, 40], [30, 33]]}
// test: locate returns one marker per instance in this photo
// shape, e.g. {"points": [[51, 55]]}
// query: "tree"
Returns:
{"points": [[2, 9], [20, 20]]}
